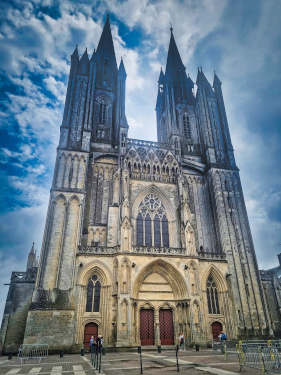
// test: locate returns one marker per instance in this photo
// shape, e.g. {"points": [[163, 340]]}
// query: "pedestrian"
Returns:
{"points": [[92, 342], [222, 336], [181, 341]]}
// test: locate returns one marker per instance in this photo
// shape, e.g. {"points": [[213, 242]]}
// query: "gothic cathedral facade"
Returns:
{"points": [[144, 240]]}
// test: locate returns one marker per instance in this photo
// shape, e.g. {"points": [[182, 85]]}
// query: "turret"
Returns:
{"points": [[121, 120], [83, 67], [31, 260], [223, 119]]}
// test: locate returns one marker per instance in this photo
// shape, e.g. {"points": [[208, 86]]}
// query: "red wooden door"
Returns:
{"points": [[216, 330], [91, 329], [147, 327], [166, 327]]}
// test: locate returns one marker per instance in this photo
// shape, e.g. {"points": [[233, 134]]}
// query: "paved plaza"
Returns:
{"points": [[127, 363]]}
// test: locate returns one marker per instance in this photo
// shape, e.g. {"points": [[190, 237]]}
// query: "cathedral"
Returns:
{"points": [[143, 240]]}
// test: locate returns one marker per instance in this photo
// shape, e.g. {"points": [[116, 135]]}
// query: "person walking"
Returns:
{"points": [[181, 341]]}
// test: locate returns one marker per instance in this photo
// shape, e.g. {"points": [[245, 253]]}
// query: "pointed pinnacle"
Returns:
{"points": [[75, 52]]}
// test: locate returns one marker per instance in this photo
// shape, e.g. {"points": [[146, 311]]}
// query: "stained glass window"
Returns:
{"points": [[89, 296], [157, 233], [151, 223], [148, 236], [212, 296], [165, 231], [93, 294], [139, 230], [97, 297]]}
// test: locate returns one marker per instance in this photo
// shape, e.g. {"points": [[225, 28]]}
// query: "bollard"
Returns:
{"points": [[197, 347], [159, 348], [177, 358], [139, 351], [10, 355], [100, 350], [61, 354]]}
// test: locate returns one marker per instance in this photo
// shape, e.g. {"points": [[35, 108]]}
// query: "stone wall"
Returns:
{"points": [[54, 327]]}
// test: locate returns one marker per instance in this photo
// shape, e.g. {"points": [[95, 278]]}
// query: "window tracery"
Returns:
{"points": [[93, 294], [152, 227], [212, 296]]}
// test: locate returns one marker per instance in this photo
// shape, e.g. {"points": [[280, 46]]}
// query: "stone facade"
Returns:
{"points": [[141, 229]]}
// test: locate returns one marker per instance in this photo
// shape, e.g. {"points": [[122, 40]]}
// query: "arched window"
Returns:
{"points": [[157, 231], [212, 296], [93, 294], [102, 112], [148, 236], [186, 126], [152, 226], [139, 229], [165, 231]]}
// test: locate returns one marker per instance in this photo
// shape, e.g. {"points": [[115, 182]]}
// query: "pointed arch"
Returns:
{"points": [[96, 267], [168, 272], [170, 210], [217, 276]]}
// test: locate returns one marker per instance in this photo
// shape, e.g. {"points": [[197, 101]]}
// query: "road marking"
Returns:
{"points": [[181, 362], [56, 370], [78, 370], [154, 355], [216, 371], [13, 371], [35, 370]]}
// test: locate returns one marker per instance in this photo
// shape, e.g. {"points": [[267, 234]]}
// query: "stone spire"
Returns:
{"points": [[105, 47], [83, 67], [202, 82], [122, 70], [31, 260], [175, 69]]}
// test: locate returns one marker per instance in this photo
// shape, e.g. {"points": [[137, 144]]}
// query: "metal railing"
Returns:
{"points": [[37, 352], [261, 355]]}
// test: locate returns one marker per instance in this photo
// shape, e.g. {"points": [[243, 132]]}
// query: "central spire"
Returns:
{"points": [[105, 47], [174, 62]]}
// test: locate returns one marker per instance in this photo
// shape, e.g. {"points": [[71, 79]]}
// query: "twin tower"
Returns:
{"points": [[144, 240]]}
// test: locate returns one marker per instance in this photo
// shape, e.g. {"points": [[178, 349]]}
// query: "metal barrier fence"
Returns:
{"points": [[96, 356], [261, 355], [27, 352]]}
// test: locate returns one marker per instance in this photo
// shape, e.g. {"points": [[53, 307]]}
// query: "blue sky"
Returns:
{"points": [[240, 39]]}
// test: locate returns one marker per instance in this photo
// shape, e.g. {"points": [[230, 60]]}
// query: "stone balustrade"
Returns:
{"points": [[158, 250], [211, 255], [97, 250]]}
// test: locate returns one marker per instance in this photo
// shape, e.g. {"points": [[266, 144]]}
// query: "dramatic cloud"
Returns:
{"points": [[241, 40]]}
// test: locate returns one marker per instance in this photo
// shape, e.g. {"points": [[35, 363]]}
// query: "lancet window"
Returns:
{"points": [[212, 296], [102, 112], [186, 125], [93, 294], [152, 227]]}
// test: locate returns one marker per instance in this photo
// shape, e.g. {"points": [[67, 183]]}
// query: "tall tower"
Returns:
{"points": [[199, 124], [94, 123]]}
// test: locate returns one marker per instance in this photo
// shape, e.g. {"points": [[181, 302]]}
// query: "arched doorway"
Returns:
{"points": [[216, 330], [147, 326], [91, 329], [166, 327]]}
